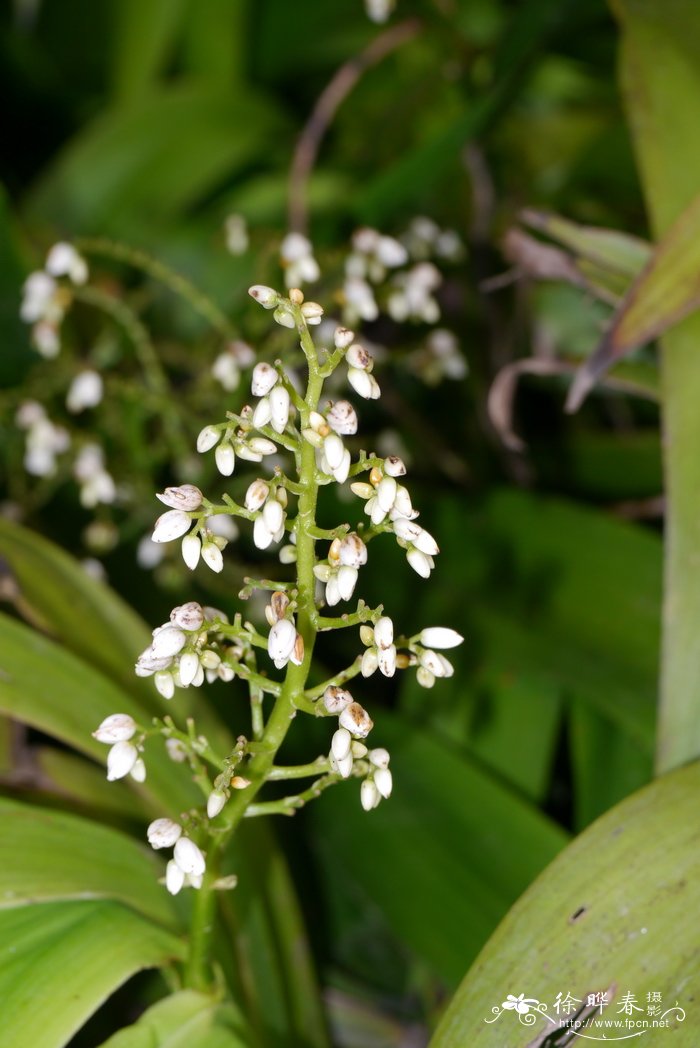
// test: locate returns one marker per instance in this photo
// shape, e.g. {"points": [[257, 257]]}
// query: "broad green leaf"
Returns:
{"points": [[595, 743], [215, 41], [185, 1020], [610, 914], [155, 159], [46, 686], [667, 290], [60, 961], [49, 856], [84, 785], [144, 35], [661, 84], [56, 594], [432, 856]]}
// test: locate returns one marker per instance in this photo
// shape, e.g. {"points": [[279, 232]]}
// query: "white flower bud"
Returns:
{"points": [[424, 677], [211, 555], [210, 660], [191, 550], [394, 466], [225, 459], [440, 637], [384, 632], [119, 727], [165, 684], [188, 857], [402, 503], [176, 750], [288, 555], [432, 662], [361, 382], [342, 418], [167, 641], [341, 473], [163, 833], [362, 490], [279, 408], [64, 261], [370, 662], [185, 497], [85, 392], [358, 749], [419, 562], [332, 591], [208, 437], [343, 338], [244, 452], [138, 772], [336, 699], [120, 760], [263, 379], [262, 413], [262, 536], [256, 495], [281, 641], [215, 803], [261, 446], [188, 616], [426, 543], [333, 449], [340, 743], [174, 877], [386, 658], [273, 515], [383, 781], [379, 757], [357, 720], [346, 580], [386, 493], [171, 525], [353, 551], [358, 357], [188, 668], [343, 766], [267, 297], [369, 795]]}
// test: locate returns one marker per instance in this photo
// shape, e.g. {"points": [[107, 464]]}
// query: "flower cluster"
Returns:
{"points": [[45, 299], [124, 757], [200, 643]]}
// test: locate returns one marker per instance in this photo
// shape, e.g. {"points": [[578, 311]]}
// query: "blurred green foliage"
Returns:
{"points": [[151, 122]]}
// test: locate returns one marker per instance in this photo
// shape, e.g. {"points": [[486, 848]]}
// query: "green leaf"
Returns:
{"points": [[184, 1020], [432, 856], [60, 961], [143, 38], [661, 83], [49, 856], [155, 159], [610, 914], [596, 743], [43, 685], [667, 291], [54, 592], [609, 249], [84, 785]]}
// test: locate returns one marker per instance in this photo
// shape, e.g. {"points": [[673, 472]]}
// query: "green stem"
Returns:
{"points": [[298, 771], [197, 974], [291, 696]]}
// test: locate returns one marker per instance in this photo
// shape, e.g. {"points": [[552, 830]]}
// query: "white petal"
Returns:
{"points": [[263, 379], [211, 555], [387, 661], [215, 803], [119, 727], [369, 662], [440, 637], [120, 760], [163, 833], [273, 515], [340, 474], [174, 877], [188, 856], [340, 743], [256, 495], [188, 668], [262, 536], [165, 684], [379, 757], [208, 437], [189, 616], [167, 641], [369, 795], [332, 591], [383, 781], [262, 413], [171, 525], [225, 459], [361, 382], [419, 562], [384, 632], [333, 449], [347, 579], [336, 699], [185, 497], [279, 408], [426, 543], [357, 720], [281, 640], [191, 550]]}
